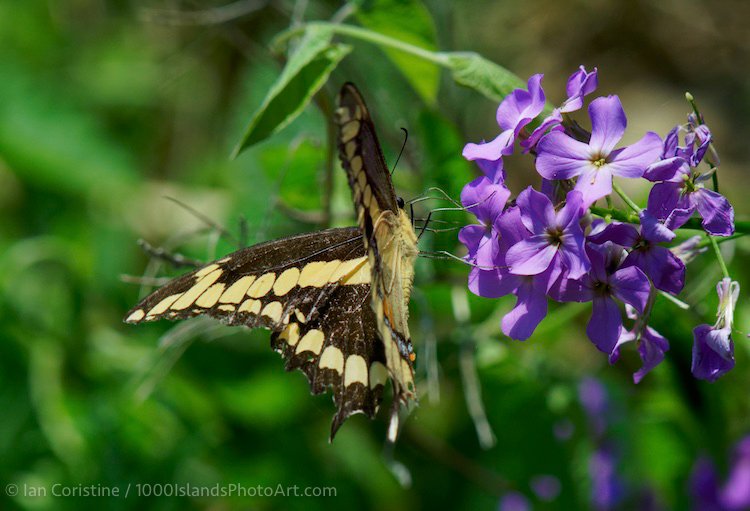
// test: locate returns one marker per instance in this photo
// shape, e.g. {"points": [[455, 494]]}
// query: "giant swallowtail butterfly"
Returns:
{"points": [[336, 300]]}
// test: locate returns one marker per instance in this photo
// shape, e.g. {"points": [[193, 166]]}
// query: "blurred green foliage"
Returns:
{"points": [[106, 107]]}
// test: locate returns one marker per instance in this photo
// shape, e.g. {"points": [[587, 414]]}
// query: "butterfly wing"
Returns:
{"points": [[388, 236], [312, 291]]}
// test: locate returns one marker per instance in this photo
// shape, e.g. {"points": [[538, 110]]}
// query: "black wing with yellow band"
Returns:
{"points": [[336, 300], [312, 291]]}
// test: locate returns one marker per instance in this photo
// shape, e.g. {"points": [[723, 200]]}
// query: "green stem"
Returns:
{"points": [[708, 242], [625, 197], [616, 214], [741, 227], [365, 35], [719, 257]]}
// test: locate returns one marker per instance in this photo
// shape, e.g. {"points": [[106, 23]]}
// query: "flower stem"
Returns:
{"points": [[741, 227], [615, 214], [625, 197], [366, 35], [720, 240], [719, 257]]}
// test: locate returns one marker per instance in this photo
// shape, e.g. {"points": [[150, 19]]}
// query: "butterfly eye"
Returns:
{"points": [[400, 202]]}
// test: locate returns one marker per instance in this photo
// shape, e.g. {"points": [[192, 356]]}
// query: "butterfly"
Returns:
{"points": [[336, 300]]}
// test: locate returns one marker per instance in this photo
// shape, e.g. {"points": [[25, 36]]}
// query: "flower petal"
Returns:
{"points": [[580, 84], [471, 236], [631, 286], [551, 122], [653, 230], [493, 150], [537, 212], [530, 256], [663, 199], [530, 309], [708, 364], [561, 157], [632, 161], [608, 124], [572, 211], [492, 283], [664, 269], [521, 106], [651, 349], [569, 290], [717, 212], [485, 199], [623, 234], [670, 169], [573, 254], [605, 324], [735, 494], [625, 337], [492, 169], [594, 183]]}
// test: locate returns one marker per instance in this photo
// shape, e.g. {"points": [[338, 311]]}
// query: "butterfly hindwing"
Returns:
{"points": [[389, 237], [312, 291]]}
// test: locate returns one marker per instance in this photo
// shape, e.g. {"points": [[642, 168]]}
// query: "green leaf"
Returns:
{"points": [[474, 71], [410, 22], [305, 73]]}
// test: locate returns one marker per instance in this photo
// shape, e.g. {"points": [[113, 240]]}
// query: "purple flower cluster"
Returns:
{"points": [[545, 244], [710, 494]]}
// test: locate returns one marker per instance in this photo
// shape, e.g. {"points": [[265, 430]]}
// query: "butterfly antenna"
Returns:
{"points": [[444, 256], [203, 218], [403, 145]]}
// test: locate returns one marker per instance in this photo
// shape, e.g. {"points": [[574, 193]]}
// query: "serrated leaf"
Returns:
{"points": [[409, 22], [304, 74]]}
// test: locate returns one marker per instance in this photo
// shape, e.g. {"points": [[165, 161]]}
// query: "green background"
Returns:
{"points": [[106, 108]]}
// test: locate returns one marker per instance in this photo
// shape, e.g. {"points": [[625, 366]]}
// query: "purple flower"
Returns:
{"points": [[704, 486], [555, 237], [713, 349], [530, 290], [680, 188], [518, 109], [689, 194], [514, 501], [606, 281], [734, 495], [486, 201], [651, 348], [563, 157], [595, 402], [713, 352], [664, 268], [580, 84], [606, 486], [546, 487]]}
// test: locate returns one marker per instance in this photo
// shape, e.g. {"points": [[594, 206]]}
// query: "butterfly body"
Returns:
{"points": [[335, 300]]}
